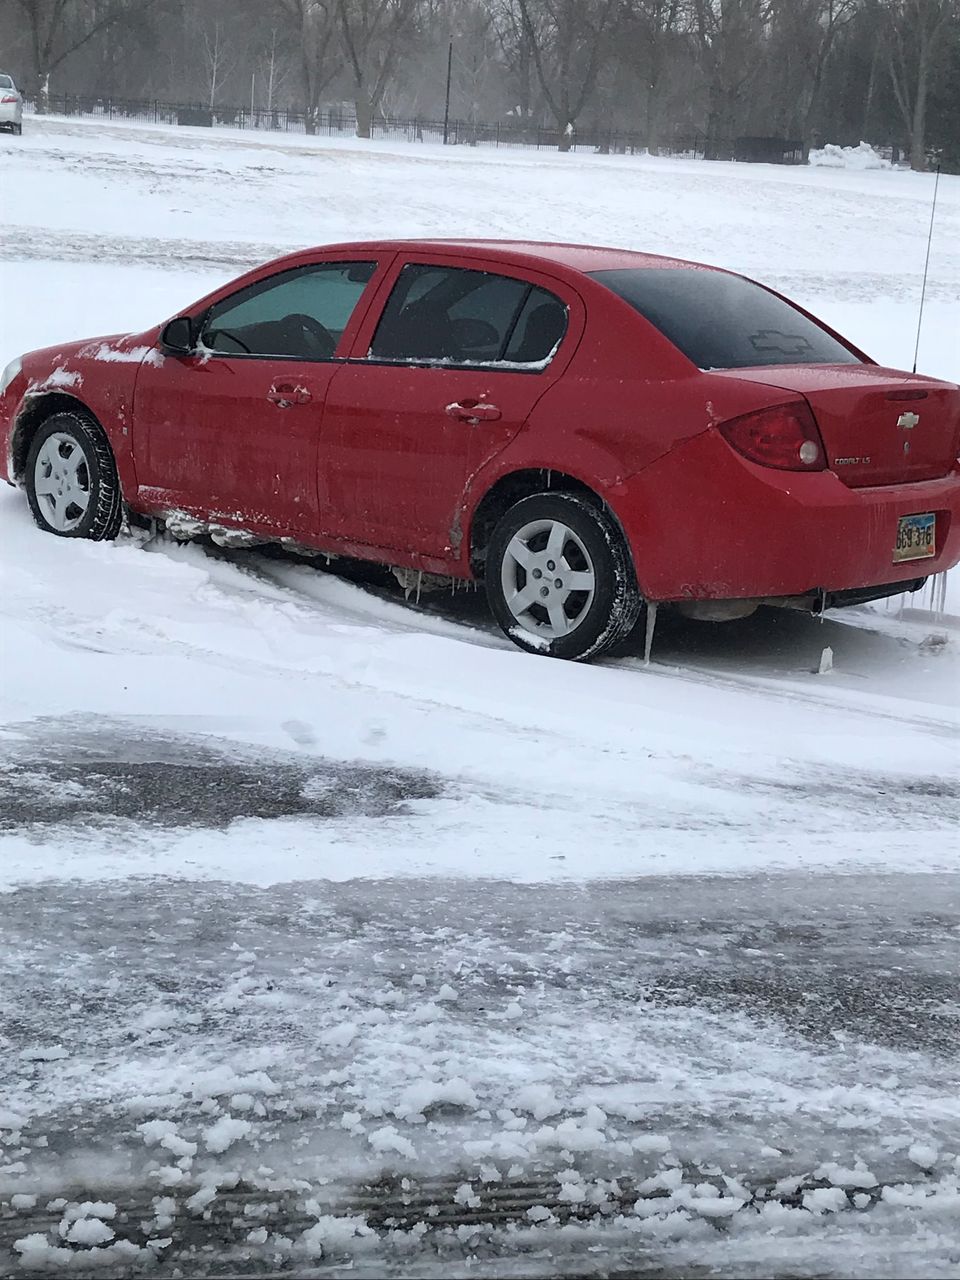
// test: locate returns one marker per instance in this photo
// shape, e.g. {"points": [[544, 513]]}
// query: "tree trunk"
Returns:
{"points": [[311, 93], [871, 91], [918, 129], [653, 118], [364, 110]]}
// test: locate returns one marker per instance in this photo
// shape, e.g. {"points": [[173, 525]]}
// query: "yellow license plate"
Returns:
{"points": [[916, 537]]}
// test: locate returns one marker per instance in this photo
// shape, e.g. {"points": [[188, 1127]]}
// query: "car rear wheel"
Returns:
{"points": [[71, 479], [559, 578]]}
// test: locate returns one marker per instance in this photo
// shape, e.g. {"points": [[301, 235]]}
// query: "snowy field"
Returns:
{"points": [[339, 937]]}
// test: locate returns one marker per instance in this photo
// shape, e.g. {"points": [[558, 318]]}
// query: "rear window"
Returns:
{"points": [[722, 321], [6, 82]]}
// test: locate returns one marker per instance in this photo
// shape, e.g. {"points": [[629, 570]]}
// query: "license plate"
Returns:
{"points": [[916, 537]]}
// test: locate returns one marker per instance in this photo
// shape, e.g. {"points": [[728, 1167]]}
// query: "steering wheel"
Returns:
{"points": [[319, 336], [213, 336]]}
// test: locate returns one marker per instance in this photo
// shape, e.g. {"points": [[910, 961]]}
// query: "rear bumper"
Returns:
{"points": [[705, 524], [10, 114]]}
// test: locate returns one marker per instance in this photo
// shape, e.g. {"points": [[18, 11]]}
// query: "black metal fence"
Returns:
{"points": [[340, 122]]}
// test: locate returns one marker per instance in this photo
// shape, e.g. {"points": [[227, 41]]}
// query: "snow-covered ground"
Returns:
{"points": [[339, 936]]}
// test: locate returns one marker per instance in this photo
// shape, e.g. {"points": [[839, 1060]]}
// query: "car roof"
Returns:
{"points": [[529, 253]]}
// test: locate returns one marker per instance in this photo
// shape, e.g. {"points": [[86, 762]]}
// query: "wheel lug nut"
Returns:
{"points": [[559, 583], [537, 573], [544, 591], [551, 566]]}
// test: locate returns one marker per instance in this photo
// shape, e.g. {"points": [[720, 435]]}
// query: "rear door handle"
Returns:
{"points": [[285, 394], [473, 411]]}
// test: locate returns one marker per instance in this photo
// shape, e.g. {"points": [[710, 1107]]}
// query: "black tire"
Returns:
{"points": [[103, 515], [597, 622]]}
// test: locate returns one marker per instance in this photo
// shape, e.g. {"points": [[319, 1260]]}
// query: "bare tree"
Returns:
{"points": [[912, 32], [730, 36], [373, 33], [59, 28], [516, 50], [315, 23], [801, 40], [650, 34], [476, 63], [569, 42], [218, 60]]}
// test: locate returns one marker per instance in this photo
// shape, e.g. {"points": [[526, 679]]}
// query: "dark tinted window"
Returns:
{"points": [[300, 313], [456, 316], [722, 321], [540, 326]]}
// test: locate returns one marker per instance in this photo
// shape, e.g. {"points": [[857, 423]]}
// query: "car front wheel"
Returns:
{"points": [[559, 577], [71, 479]]}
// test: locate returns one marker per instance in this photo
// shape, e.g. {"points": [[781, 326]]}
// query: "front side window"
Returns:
{"points": [[722, 321], [299, 314], [448, 315]]}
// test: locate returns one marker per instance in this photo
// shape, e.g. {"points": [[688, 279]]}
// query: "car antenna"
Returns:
{"points": [[923, 291]]}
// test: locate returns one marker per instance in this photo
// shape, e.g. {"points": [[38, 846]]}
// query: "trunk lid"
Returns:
{"points": [[879, 426]]}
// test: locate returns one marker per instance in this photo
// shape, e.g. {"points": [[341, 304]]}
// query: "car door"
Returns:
{"points": [[230, 432], [442, 376]]}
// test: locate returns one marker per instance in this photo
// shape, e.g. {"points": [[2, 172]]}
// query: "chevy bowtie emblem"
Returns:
{"points": [[908, 420]]}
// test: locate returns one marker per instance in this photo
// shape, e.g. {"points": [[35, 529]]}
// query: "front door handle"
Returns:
{"points": [[473, 411], [284, 395]]}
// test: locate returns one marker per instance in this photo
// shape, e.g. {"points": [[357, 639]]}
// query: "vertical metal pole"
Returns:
{"points": [[446, 105]]}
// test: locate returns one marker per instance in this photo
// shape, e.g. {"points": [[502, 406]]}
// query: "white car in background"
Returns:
{"points": [[11, 105]]}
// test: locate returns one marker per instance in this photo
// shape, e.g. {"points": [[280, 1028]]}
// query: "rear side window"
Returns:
{"points": [[722, 321], [448, 315]]}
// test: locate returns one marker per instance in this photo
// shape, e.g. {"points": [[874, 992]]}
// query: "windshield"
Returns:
{"points": [[722, 321]]}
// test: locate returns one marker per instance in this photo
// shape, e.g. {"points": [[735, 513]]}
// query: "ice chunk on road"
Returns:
{"points": [[36, 1252], [539, 1099], [225, 1132], [923, 1154], [388, 1139], [91, 1231], [418, 1098], [825, 1200], [89, 1209], [339, 1037], [331, 1235], [841, 1177], [200, 1199], [155, 1130]]}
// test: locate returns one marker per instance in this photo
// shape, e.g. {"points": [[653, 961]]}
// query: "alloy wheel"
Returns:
{"points": [[548, 578], [62, 482]]}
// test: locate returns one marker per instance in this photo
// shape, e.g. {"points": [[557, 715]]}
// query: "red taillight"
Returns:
{"points": [[785, 436], [7, 99]]}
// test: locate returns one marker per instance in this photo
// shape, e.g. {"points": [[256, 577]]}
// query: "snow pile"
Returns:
{"points": [[860, 157]]}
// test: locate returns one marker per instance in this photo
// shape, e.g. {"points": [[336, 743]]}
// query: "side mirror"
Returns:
{"points": [[177, 336]]}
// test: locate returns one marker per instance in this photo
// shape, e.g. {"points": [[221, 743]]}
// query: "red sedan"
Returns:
{"points": [[585, 429]]}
